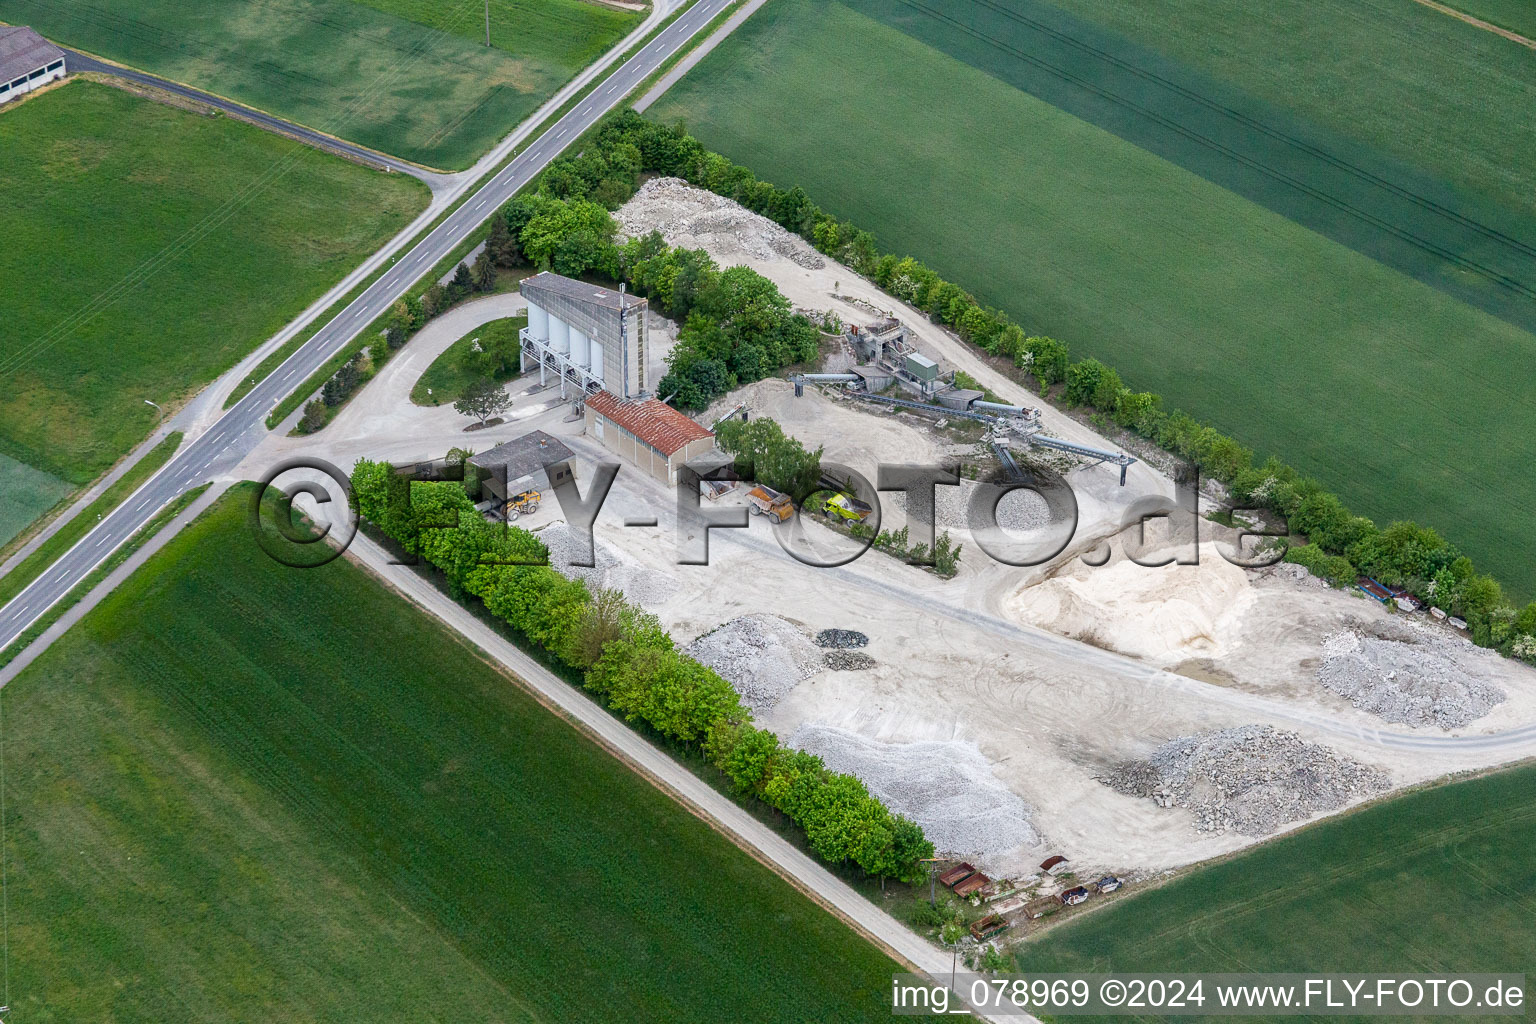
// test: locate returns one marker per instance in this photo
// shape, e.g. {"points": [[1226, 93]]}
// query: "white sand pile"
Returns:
{"points": [[762, 656], [1412, 676], [640, 585], [947, 787], [698, 219], [1165, 614], [1249, 780]]}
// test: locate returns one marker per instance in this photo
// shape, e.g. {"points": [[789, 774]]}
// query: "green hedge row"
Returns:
{"points": [[627, 659]]}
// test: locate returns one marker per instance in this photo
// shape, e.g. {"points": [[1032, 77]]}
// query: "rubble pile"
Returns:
{"points": [[1250, 780], [640, 585], [947, 787], [697, 218], [1412, 676], [762, 656], [848, 661], [841, 639]]}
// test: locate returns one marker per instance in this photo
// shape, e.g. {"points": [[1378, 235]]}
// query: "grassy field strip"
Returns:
{"points": [[27, 494], [406, 78], [1436, 880], [67, 536], [1513, 37], [228, 802], [83, 591], [1392, 393]]}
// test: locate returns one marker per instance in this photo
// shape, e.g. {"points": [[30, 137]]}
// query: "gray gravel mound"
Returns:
{"points": [[1249, 780], [1021, 509], [1413, 677], [762, 656], [640, 585], [947, 787]]}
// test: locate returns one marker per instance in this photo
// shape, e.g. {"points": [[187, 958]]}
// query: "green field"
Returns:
{"points": [[228, 799], [447, 377], [1397, 75], [68, 535], [1515, 15], [25, 494], [1442, 880], [155, 248], [407, 77], [1392, 392]]}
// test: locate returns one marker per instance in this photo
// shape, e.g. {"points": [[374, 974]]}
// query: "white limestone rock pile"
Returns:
{"points": [[1412, 676], [945, 786], [762, 656], [1251, 780]]}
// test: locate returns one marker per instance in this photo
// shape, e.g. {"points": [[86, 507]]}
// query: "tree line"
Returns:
{"points": [[624, 656]]}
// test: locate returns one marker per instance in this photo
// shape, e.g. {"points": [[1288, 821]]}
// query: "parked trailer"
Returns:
{"points": [[988, 926], [958, 873], [970, 885]]}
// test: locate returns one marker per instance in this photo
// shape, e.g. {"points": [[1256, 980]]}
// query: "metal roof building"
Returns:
{"points": [[27, 61], [587, 335], [533, 456], [648, 432]]}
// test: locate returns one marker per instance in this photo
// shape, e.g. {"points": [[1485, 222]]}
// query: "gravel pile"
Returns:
{"points": [[947, 787], [841, 639], [1249, 780], [640, 585], [1413, 676], [848, 661], [1019, 510], [695, 218], [762, 656]]}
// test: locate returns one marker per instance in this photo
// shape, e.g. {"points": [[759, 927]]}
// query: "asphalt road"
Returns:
{"points": [[84, 62], [243, 426]]}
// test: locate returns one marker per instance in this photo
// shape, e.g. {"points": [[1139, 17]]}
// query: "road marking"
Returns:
{"points": [[480, 204], [560, 133]]}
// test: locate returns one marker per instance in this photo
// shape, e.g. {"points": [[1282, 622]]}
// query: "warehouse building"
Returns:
{"points": [[531, 462], [590, 337], [647, 432], [27, 61]]}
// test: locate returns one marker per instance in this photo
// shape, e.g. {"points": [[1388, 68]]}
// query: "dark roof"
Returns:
{"points": [[651, 420], [581, 291], [23, 50], [1051, 862], [523, 455]]}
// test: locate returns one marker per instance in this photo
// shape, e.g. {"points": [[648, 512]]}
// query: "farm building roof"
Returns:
{"points": [[652, 421], [580, 291], [23, 50], [1051, 862], [523, 455]]}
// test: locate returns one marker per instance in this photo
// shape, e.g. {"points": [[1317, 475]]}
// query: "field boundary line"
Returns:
{"points": [[1486, 26]]}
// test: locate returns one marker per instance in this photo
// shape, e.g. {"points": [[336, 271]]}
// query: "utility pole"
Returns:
{"points": [[487, 22]]}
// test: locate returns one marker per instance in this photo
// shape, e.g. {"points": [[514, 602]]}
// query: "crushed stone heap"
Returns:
{"points": [[946, 786], [1250, 780], [1411, 676], [687, 216], [640, 585], [762, 656]]}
